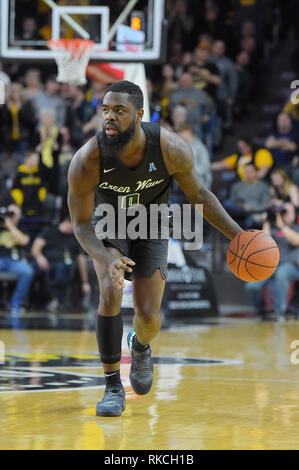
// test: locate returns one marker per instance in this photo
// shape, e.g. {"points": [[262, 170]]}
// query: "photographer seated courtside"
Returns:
{"points": [[281, 225], [13, 244]]}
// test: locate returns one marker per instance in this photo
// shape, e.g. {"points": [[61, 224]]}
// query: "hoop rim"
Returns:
{"points": [[71, 44]]}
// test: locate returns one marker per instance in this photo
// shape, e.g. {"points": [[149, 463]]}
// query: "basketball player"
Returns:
{"points": [[119, 160]]}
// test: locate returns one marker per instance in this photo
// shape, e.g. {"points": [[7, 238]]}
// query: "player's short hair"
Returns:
{"points": [[134, 92]]}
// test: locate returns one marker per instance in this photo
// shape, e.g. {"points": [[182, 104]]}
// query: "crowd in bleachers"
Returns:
{"points": [[216, 54]]}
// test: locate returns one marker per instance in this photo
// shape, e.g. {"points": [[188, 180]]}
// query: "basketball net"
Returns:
{"points": [[72, 57]]}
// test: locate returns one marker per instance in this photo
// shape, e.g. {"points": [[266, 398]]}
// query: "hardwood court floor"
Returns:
{"points": [[216, 387]]}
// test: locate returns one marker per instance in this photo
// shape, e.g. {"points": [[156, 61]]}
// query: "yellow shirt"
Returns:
{"points": [[15, 134], [262, 157]]}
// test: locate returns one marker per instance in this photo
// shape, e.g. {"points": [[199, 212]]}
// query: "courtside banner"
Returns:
{"points": [[189, 292], [189, 289]]}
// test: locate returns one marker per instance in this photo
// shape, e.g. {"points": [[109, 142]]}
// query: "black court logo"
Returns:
{"points": [[40, 372]]}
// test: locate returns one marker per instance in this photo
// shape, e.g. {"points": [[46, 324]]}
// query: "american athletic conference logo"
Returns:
{"points": [[152, 167], [40, 372]]}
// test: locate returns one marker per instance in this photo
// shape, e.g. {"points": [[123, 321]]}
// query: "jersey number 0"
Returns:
{"points": [[131, 200]]}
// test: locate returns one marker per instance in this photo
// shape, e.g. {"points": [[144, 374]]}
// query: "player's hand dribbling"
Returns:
{"points": [[117, 268]]}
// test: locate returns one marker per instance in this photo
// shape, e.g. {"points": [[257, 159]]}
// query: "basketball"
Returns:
{"points": [[252, 255]]}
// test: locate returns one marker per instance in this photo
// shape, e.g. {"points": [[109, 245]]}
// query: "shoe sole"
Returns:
{"points": [[138, 392], [110, 414]]}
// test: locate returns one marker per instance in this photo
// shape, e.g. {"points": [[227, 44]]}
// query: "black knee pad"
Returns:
{"points": [[109, 332]]}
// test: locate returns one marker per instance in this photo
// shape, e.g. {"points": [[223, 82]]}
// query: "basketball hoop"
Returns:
{"points": [[72, 57]]}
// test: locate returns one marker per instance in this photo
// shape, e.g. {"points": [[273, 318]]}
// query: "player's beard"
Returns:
{"points": [[119, 140]]}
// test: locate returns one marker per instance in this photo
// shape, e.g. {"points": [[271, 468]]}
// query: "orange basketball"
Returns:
{"points": [[252, 255]]}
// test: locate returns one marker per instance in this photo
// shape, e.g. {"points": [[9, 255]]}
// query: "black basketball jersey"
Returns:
{"points": [[147, 184]]}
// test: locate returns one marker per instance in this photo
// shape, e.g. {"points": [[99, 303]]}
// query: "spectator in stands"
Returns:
{"points": [[211, 23], [205, 74], [167, 77], [180, 24], [228, 86], [178, 117], [79, 113], [248, 198], [200, 154], [285, 232], [245, 85], [249, 18], [12, 240], [247, 29], [29, 193], [56, 251], [65, 93], [261, 158], [283, 142], [198, 103], [33, 83], [30, 30], [248, 44], [49, 147], [175, 55], [186, 61], [95, 94], [17, 120], [94, 125], [284, 190], [67, 149], [50, 99]]}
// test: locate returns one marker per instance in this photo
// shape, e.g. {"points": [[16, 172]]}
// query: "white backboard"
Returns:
{"points": [[99, 16]]}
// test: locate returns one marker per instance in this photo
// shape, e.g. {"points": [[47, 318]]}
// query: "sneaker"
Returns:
{"points": [[113, 402], [142, 370]]}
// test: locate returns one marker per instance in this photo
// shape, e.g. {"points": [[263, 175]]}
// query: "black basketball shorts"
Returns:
{"points": [[149, 255]]}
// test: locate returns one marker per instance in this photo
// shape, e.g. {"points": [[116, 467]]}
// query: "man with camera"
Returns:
{"points": [[281, 225], [56, 251], [12, 240]]}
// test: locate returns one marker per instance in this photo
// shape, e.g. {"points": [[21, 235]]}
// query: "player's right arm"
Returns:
{"points": [[83, 177]]}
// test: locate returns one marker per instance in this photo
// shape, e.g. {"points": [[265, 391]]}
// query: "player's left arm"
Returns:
{"points": [[178, 159]]}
